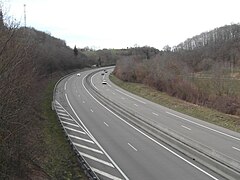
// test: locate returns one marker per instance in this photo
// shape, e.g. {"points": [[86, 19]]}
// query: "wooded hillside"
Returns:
{"points": [[29, 61], [204, 70]]}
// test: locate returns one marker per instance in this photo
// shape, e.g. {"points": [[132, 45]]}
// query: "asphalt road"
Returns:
{"points": [[222, 140], [116, 149]]}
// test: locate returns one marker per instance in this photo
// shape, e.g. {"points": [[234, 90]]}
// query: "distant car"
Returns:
{"points": [[105, 71], [78, 74], [104, 82], [102, 74]]}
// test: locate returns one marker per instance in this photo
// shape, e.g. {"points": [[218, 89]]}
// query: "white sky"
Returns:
{"points": [[124, 23]]}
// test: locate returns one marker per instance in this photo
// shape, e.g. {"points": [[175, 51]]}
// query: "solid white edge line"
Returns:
{"points": [[96, 159], [131, 96], [233, 137], [90, 135], [83, 126], [92, 82], [88, 148], [118, 168], [81, 139], [132, 147], [69, 115], [105, 174], [65, 85], [185, 160]]}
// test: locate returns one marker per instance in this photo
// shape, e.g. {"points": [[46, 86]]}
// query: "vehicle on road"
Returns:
{"points": [[104, 82], [78, 74]]}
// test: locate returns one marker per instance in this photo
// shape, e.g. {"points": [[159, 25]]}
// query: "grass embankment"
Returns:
{"points": [[203, 113], [60, 161]]}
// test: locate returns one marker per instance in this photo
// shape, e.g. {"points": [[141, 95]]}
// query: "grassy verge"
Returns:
{"points": [[60, 161], [203, 113]]}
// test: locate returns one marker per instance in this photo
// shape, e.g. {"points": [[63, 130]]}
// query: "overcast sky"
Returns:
{"points": [[124, 23]]}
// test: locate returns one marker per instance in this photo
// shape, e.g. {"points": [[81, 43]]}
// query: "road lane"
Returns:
{"points": [[150, 161], [213, 136], [118, 139]]}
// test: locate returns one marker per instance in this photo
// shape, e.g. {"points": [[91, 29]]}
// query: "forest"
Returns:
{"points": [[204, 69], [31, 61]]}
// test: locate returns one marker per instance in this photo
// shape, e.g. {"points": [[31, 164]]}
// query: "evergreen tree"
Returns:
{"points": [[75, 50]]}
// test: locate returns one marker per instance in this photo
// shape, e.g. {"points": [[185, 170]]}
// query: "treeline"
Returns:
{"points": [[206, 74], [29, 59], [107, 57], [216, 36]]}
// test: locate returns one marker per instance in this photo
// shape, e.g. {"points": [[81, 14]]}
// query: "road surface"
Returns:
{"points": [[116, 149]]}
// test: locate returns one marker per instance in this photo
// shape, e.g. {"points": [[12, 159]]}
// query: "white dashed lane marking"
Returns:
{"points": [[186, 127], [236, 149], [106, 124], [132, 147], [131, 96]]}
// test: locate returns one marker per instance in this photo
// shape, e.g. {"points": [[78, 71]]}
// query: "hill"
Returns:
{"points": [[30, 62], [204, 69]]}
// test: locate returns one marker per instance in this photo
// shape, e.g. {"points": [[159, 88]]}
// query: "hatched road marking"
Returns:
{"points": [[81, 139], [69, 123], [96, 159], [81, 132], [105, 174], [61, 117], [88, 148], [77, 132]]}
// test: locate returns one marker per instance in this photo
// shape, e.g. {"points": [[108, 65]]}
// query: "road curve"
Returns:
{"points": [[114, 148]]}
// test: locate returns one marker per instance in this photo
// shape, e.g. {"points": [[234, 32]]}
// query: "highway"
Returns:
{"points": [[116, 149]]}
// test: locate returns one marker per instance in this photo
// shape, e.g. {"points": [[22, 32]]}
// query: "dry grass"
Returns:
{"points": [[227, 121]]}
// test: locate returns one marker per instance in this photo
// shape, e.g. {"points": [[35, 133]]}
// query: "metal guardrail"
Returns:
{"points": [[84, 165], [217, 162]]}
